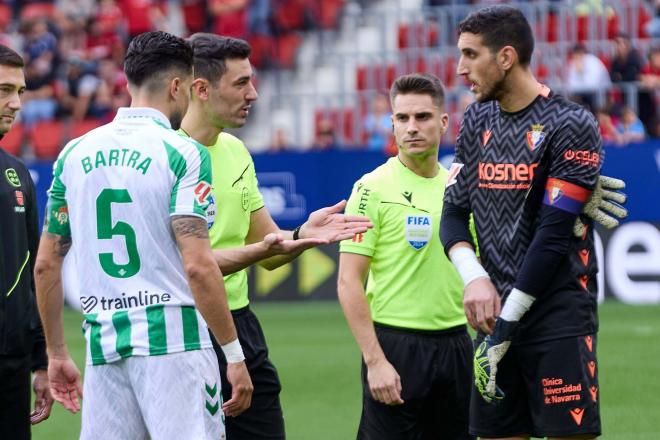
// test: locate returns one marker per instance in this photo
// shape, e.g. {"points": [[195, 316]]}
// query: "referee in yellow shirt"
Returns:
{"points": [[409, 321], [242, 231]]}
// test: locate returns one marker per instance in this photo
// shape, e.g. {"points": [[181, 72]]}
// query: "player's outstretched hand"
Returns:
{"points": [[277, 245], [330, 224], [65, 383], [604, 204], [241, 389], [43, 400], [482, 304], [384, 382]]}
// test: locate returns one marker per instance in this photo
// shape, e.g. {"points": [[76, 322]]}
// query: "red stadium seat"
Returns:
{"points": [[287, 47], [12, 141], [327, 13], [79, 128], [5, 15], [47, 139], [37, 10]]}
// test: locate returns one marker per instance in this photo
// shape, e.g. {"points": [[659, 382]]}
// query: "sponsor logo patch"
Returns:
{"points": [[202, 192], [419, 230], [583, 157], [211, 211], [12, 177]]}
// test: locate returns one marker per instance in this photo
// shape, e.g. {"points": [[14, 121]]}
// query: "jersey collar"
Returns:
{"points": [[142, 112]]}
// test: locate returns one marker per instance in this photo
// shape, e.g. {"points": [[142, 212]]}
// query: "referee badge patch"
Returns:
{"points": [[419, 230]]}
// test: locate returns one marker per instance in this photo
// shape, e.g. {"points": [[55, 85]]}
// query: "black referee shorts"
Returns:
{"points": [[263, 420], [15, 397], [435, 370], [551, 390]]}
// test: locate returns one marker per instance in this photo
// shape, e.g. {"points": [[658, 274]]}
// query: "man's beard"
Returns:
{"points": [[496, 91], [175, 119]]}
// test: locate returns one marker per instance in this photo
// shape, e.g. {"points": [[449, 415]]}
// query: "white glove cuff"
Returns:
{"points": [[516, 305], [467, 264], [233, 352]]}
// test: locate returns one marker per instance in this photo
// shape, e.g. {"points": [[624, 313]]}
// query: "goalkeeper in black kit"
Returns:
{"points": [[527, 168]]}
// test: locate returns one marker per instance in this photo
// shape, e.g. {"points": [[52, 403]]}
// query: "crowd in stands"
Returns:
{"points": [[74, 51]]}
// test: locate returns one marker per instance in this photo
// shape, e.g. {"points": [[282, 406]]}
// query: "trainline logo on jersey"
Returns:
{"points": [[505, 175], [141, 299], [419, 230], [535, 136]]}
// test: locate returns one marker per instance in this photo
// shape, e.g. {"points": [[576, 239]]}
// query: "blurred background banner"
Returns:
{"points": [[295, 184]]}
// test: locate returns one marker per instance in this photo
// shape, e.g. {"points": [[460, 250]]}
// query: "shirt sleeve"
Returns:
{"points": [[577, 151], [190, 193], [457, 191], [363, 201], [57, 211], [256, 199]]}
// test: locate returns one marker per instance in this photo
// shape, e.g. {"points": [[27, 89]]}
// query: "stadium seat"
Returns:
{"points": [[79, 128], [47, 139], [327, 13], [287, 47], [5, 15], [12, 141], [37, 10]]}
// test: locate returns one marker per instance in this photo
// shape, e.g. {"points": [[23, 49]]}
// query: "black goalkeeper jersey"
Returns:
{"points": [[504, 164]]}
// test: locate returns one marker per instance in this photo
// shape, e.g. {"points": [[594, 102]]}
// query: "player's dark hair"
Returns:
{"points": [[154, 54], [9, 57], [501, 26], [212, 51], [419, 83]]}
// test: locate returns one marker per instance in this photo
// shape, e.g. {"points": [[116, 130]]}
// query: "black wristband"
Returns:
{"points": [[296, 233]]}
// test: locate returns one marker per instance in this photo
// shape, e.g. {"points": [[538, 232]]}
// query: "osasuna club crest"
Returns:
{"points": [[535, 136]]}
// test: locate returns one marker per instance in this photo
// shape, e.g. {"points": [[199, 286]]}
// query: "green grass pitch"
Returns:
{"points": [[319, 363]]}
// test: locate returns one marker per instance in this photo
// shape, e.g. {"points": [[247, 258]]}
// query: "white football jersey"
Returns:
{"points": [[114, 191]]}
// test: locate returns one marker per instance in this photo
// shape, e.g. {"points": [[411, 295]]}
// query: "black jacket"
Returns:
{"points": [[20, 327]]}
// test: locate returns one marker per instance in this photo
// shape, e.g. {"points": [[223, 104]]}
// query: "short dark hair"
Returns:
{"points": [[212, 51], [9, 57], [152, 54], [501, 26], [419, 83]]}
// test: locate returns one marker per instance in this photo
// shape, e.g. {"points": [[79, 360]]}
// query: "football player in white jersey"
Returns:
{"points": [[133, 195]]}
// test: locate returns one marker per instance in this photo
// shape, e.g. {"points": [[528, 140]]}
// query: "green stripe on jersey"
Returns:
{"points": [[190, 328], [123, 329], [178, 166], [95, 349], [156, 330]]}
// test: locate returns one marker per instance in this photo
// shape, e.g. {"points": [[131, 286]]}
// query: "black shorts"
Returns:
{"points": [[435, 370], [15, 397], [263, 420], [551, 389]]}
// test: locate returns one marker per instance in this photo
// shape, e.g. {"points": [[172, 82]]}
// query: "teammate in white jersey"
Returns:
{"points": [[133, 195]]}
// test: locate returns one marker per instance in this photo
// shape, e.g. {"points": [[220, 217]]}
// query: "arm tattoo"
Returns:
{"points": [[188, 226], [61, 243]]}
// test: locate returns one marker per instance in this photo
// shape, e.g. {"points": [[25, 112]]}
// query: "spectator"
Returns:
{"points": [[194, 15], [106, 31], [606, 125], [143, 15], [653, 26], [378, 124], [630, 128], [111, 94], [648, 103], [627, 63], [79, 88], [325, 134], [586, 75], [230, 17], [41, 57]]}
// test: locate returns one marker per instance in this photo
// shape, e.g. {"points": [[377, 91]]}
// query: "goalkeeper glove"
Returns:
{"points": [[489, 353], [600, 206]]}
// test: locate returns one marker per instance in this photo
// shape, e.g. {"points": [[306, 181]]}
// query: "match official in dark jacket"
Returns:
{"points": [[22, 344]]}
